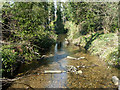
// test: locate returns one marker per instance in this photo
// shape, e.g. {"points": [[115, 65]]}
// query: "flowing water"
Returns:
{"points": [[96, 74]]}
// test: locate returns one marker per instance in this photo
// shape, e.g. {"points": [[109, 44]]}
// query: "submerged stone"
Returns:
{"points": [[115, 80], [79, 72]]}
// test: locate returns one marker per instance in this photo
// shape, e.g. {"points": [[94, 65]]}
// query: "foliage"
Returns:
{"points": [[8, 58], [72, 30], [26, 26], [86, 21], [33, 25], [92, 17], [113, 59], [59, 28]]}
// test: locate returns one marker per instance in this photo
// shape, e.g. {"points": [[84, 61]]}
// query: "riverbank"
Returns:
{"points": [[93, 74], [14, 55], [104, 45]]}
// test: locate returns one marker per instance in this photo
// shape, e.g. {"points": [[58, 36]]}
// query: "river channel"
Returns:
{"points": [[95, 72]]}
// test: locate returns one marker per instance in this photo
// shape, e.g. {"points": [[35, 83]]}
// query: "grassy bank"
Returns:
{"points": [[105, 46]]}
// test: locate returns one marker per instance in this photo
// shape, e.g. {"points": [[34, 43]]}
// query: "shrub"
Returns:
{"points": [[73, 30], [8, 59]]}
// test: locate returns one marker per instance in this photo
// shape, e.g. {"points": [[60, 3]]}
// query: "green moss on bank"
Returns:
{"points": [[105, 46]]}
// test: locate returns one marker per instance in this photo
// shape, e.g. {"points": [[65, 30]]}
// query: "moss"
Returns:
{"points": [[105, 46], [112, 58]]}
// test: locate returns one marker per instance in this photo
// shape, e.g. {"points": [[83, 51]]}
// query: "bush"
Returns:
{"points": [[73, 30], [8, 59]]}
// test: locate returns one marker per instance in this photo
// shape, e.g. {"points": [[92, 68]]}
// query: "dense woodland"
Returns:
{"points": [[29, 29]]}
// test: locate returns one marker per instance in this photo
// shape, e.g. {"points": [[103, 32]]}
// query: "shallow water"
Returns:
{"points": [[98, 76]]}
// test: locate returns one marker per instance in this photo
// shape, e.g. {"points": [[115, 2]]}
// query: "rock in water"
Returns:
{"points": [[115, 80], [69, 57], [79, 72], [81, 58], [119, 85], [66, 42], [71, 68], [51, 71]]}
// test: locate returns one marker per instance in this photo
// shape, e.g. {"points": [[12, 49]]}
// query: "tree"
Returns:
{"points": [[92, 17], [59, 22]]}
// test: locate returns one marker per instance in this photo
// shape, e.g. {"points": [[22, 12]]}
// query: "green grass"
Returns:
{"points": [[106, 47]]}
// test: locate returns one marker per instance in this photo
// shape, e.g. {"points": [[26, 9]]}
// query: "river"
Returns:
{"points": [[96, 73]]}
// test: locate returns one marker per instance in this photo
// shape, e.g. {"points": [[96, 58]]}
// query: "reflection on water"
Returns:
{"points": [[58, 80], [92, 77], [56, 48]]}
